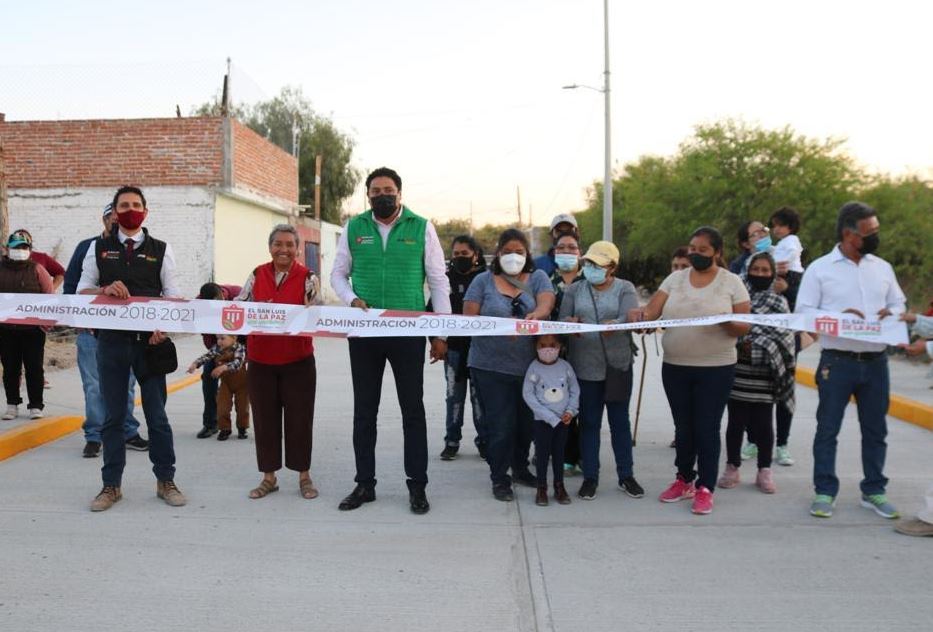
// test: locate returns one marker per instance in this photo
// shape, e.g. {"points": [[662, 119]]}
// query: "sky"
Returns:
{"points": [[465, 99]]}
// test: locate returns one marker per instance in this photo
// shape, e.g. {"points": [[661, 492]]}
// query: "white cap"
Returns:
{"points": [[563, 218]]}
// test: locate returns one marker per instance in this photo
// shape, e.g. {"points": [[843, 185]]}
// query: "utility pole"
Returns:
{"points": [[317, 186], [518, 191], [607, 176]]}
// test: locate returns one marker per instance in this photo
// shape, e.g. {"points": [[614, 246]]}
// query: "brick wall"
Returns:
{"points": [[262, 167], [181, 215], [108, 153]]}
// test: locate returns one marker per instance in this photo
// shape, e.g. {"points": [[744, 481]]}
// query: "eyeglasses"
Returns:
{"points": [[518, 308]]}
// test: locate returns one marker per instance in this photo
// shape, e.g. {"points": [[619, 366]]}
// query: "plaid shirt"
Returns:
{"points": [[236, 353]]}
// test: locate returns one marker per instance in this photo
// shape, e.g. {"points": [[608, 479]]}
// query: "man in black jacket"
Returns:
{"points": [[131, 263]]}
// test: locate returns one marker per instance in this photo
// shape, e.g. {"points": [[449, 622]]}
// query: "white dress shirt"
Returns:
{"points": [[90, 274], [835, 283], [434, 267]]}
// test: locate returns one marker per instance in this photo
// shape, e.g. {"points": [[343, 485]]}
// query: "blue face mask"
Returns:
{"points": [[763, 244], [566, 263], [594, 274]]}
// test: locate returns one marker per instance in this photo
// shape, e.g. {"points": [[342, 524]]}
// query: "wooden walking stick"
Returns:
{"points": [[641, 388]]}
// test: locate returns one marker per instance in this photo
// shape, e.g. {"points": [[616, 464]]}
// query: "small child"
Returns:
{"points": [[229, 356], [785, 222], [552, 393]]}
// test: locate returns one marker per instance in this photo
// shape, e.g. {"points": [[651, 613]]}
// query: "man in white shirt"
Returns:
{"points": [[852, 280], [126, 263], [383, 259]]}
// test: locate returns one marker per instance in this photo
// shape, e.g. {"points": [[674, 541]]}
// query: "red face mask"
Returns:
{"points": [[131, 220]]}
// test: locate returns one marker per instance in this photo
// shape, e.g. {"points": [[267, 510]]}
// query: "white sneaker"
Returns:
{"points": [[35, 413], [11, 412]]}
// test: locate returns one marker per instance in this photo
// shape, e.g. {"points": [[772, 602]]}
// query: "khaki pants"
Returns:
{"points": [[233, 389]]}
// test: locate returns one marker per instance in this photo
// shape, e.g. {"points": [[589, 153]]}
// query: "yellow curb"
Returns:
{"points": [[903, 408], [34, 434]]}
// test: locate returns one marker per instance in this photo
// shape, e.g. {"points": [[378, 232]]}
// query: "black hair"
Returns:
{"points": [[210, 291], [786, 216], [513, 234], [849, 216], [561, 339], [762, 255], [384, 172], [128, 189], [680, 252], [713, 235], [742, 234], [474, 246], [568, 233]]}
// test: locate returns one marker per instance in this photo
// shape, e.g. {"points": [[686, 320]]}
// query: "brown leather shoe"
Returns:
{"points": [[560, 494], [541, 496], [106, 498], [914, 526], [169, 492]]}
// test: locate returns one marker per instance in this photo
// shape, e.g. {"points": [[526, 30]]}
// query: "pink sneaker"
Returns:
{"points": [[765, 481], [730, 478], [678, 490], [703, 501]]}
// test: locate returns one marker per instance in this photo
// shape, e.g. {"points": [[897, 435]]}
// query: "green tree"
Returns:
{"points": [[725, 174], [277, 120]]}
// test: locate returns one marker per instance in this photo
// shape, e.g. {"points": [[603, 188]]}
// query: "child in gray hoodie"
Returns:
{"points": [[552, 393]]}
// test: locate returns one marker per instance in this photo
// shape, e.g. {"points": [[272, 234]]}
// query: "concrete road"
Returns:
{"points": [[282, 563]]}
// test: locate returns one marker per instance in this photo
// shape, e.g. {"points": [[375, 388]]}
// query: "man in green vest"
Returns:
{"points": [[383, 259]]}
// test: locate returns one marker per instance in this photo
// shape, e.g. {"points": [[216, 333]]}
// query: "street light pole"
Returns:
{"points": [[607, 175]]}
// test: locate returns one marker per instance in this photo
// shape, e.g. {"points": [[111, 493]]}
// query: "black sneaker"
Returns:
{"points": [[241, 433], [417, 498], [449, 453], [631, 487], [525, 477], [137, 443], [205, 432], [91, 450], [587, 489], [224, 435], [481, 448], [503, 493]]}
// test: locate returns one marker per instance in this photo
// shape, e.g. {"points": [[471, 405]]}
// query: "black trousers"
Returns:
{"points": [[368, 358], [549, 444], [23, 348], [755, 417]]}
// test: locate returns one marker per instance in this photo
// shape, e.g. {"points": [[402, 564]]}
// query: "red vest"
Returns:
{"points": [[270, 349]]}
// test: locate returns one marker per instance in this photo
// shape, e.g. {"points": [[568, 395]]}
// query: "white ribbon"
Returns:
{"points": [[219, 317]]}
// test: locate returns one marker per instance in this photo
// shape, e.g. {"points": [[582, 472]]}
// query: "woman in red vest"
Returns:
{"points": [[281, 370]]}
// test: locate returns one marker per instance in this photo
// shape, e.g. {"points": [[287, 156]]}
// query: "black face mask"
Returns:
{"points": [[461, 264], [870, 244], [760, 283], [384, 206], [700, 262]]}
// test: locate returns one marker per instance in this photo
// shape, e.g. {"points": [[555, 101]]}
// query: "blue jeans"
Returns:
{"points": [[209, 386], [93, 402], [457, 377], [118, 353], [838, 378], [510, 430], [697, 396], [591, 420]]}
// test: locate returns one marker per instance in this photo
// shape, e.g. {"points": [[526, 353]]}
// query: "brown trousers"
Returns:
{"points": [[283, 393], [233, 389]]}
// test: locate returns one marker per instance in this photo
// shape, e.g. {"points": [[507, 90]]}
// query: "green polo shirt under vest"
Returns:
{"points": [[391, 275]]}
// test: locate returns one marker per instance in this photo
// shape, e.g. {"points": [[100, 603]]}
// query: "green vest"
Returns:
{"points": [[390, 277]]}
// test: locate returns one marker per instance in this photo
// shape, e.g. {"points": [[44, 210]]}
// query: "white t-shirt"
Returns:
{"points": [[709, 345], [789, 250]]}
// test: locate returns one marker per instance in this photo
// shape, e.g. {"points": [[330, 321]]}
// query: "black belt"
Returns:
{"points": [[858, 356]]}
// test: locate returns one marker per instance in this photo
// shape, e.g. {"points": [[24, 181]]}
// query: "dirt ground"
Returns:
{"points": [[60, 354]]}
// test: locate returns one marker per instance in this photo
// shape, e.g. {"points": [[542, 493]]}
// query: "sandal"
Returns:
{"points": [[308, 490], [265, 488]]}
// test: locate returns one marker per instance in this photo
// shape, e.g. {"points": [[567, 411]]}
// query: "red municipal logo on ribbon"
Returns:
{"points": [[527, 327], [827, 325], [232, 317]]}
